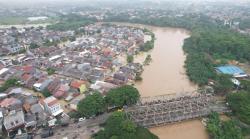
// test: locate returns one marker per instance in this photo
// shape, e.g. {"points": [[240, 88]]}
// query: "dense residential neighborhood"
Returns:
{"points": [[122, 69], [53, 79]]}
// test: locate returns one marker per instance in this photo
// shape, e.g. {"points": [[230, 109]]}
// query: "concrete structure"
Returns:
{"points": [[14, 120], [40, 86], [52, 106]]}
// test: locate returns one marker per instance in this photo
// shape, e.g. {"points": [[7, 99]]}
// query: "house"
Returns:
{"points": [[52, 106], [30, 120], [38, 111], [61, 91], [84, 67], [6, 73], [53, 85], [26, 69], [96, 74], [41, 84], [14, 48], [121, 76], [102, 87], [3, 72], [79, 85], [4, 51], [28, 102], [13, 121], [10, 102], [73, 103], [28, 80]]}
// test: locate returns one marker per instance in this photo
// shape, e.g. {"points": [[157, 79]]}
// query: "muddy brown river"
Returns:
{"points": [[166, 75]]}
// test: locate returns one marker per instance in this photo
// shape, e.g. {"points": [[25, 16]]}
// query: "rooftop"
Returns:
{"points": [[50, 100], [231, 70]]}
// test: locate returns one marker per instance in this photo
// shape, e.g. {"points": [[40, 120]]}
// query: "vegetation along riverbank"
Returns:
{"points": [[209, 46]]}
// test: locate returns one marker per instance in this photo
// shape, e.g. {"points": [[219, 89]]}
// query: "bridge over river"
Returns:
{"points": [[165, 109]]}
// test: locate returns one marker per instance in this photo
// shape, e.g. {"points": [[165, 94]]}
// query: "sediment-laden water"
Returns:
{"points": [[166, 75]]}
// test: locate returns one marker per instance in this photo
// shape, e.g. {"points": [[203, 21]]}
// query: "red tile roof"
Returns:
{"points": [[52, 102], [27, 68], [25, 77], [59, 94], [8, 101], [77, 84]]}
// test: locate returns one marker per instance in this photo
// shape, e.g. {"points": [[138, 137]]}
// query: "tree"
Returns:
{"points": [[33, 46], [147, 46], [223, 84], [148, 59], [9, 83], [74, 114], [130, 58], [118, 126], [245, 84], [125, 95], [50, 71], [71, 22], [222, 130], [92, 105], [138, 77], [240, 104], [46, 93]]}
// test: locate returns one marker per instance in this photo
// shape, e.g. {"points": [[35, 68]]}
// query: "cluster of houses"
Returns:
{"points": [[13, 40], [90, 63], [23, 112]]}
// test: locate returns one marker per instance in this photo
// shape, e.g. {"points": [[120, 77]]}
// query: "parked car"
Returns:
{"points": [[64, 124], [81, 119], [47, 133]]}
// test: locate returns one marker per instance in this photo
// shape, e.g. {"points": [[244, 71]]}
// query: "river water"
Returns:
{"points": [[166, 75]]}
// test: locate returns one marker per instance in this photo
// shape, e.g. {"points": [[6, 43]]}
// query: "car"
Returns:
{"points": [[65, 124], [81, 119], [47, 133]]}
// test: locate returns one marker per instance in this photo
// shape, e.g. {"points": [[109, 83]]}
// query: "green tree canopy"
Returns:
{"points": [[46, 93], [50, 71], [118, 126], [125, 95], [240, 104], [223, 84], [130, 58], [9, 83], [222, 130], [92, 105]]}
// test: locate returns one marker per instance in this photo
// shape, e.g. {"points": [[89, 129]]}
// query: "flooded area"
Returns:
{"points": [[166, 72], [185, 130], [166, 75]]}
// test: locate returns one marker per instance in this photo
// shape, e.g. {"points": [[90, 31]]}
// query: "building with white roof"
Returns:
{"points": [[52, 106]]}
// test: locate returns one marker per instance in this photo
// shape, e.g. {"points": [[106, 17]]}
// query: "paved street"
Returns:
{"points": [[80, 130]]}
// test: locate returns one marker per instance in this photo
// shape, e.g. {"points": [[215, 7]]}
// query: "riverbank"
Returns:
{"points": [[166, 75]]}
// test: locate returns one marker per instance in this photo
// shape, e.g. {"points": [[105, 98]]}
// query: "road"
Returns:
{"points": [[80, 130]]}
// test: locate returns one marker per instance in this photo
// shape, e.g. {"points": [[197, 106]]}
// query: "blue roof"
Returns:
{"points": [[231, 70]]}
